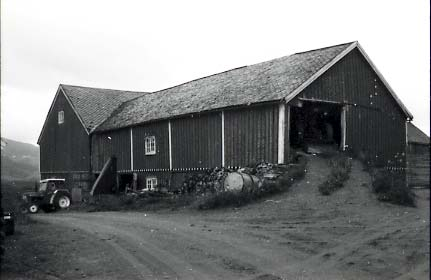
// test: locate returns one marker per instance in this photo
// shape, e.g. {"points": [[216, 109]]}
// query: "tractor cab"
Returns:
{"points": [[50, 185], [50, 194]]}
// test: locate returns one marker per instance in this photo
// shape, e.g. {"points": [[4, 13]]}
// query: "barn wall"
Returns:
{"points": [[108, 144], [64, 147], [372, 118], [251, 135], [161, 159], [196, 141], [418, 165], [163, 178]]}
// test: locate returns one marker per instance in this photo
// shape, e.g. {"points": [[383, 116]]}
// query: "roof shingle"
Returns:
{"points": [[267, 81], [415, 135], [95, 105]]}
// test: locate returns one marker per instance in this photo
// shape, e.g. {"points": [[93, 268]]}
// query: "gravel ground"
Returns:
{"points": [[296, 235]]}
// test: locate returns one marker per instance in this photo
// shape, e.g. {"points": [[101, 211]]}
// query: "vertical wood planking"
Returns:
{"points": [[376, 116], [66, 146], [196, 141], [251, 135], [161, 159]]}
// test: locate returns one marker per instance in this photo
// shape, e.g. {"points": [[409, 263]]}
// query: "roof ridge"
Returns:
{"points": [[112, 114], [319, 49], [246, 66], [104, 88], [109, 122], [200, 78], [116, 109]]}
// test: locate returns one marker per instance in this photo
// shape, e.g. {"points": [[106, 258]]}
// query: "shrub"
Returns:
{"points": [[224, 199], [267, 188], [391, 187], [340, 170]]}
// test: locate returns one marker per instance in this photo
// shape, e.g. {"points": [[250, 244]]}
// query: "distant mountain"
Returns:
{"points": [[19, 161]]}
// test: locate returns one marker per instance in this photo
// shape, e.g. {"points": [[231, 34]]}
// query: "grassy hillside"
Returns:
{"points": [[19, 161]]}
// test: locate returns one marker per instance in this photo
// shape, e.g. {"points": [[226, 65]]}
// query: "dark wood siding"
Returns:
{"points": [[113, 143], [196, 141], [375, 123], [418, 165], [163, 178], [251, 135], [64, 147], [161, 159]]}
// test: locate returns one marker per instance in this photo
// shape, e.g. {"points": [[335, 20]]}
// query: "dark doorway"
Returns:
{"points": [[315, 123], [126, 181]]}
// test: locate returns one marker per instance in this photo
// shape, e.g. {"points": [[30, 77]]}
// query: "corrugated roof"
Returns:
{"points": [[95, 105], [415, 135], [267, 81]]}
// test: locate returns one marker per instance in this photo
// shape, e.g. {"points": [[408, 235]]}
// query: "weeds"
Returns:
{"points": [[391, 187], [149, 201], [340, 170]]}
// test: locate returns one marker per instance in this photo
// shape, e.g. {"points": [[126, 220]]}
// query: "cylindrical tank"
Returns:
{"points": [[237, 181]]}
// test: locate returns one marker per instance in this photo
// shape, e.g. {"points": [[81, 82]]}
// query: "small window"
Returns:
{"points": [[150, 145], [60, 117], [151, 183]]}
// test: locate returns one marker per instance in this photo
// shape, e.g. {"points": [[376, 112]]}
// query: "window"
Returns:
{"points": [[60, 117], [150, 145], [151, 183]]}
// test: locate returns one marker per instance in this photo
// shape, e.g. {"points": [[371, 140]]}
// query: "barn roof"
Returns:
{"points": [[274, 80], [267, 81], [415, 135], [94, 105]]}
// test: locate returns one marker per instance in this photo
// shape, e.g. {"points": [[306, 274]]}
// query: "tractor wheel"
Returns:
{"points": [[62, 202], [33, 208], [24, 209]]}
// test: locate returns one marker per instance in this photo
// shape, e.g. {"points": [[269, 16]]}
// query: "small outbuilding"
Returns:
{"points": [[418, 157]]}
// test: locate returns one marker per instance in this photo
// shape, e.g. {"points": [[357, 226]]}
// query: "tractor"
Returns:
{"points": [[49, 195]]}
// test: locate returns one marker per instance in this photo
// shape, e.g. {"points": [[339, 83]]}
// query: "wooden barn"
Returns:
{"points": [[329, 96], [418, 157], [65, 139]]}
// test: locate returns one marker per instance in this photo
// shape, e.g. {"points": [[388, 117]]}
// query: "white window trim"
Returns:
{"points": [[150, 183], [60, 117], [148, 149]]}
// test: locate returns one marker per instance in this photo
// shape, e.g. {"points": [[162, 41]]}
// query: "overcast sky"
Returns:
{"points": [[151, 45]]}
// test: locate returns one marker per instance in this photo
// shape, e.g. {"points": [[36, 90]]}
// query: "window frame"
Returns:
{"points": [[150, 183], [60, 117], [150, 145]]}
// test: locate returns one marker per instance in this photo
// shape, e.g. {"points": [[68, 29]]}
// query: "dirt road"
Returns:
{"points": [[296, 235]]}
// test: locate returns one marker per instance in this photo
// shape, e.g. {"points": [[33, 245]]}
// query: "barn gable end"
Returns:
{"points": [[64, 148], [371, 111]]}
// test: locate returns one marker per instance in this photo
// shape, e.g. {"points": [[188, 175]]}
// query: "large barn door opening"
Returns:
{"points": [[317, 124]]}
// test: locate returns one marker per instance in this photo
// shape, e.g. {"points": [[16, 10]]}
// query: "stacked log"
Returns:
{"points": [[210, 181], [222, 179]]}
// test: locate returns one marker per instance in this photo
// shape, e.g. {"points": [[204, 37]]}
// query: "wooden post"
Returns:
{"points": [[131, 149], [281, 130], [343, 128], [287, 135], [222, 140], [170, 144]]}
